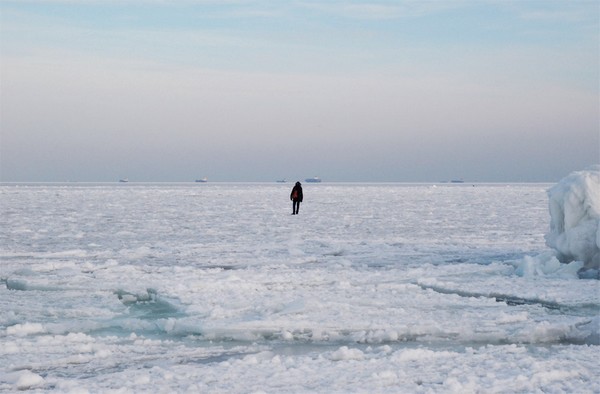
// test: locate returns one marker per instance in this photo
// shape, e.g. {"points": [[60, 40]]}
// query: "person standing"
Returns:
{"points": [[296, 197]]}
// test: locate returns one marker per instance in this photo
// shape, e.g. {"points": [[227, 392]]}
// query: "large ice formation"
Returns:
{"points": [[575, 217]]}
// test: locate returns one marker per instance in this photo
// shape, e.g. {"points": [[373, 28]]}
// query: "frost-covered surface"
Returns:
{"points": [[575, 212], [217, 288]]}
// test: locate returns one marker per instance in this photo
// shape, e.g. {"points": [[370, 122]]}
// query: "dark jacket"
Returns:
{"points": [[298, 190]]}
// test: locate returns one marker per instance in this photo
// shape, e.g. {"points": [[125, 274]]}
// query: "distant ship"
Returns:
{"points": [[203, 180], [281, 181], [124, 180], [457, 181], [314, 179]]}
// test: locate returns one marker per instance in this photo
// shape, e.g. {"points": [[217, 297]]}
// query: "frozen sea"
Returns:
{"points": [[216, 287]]}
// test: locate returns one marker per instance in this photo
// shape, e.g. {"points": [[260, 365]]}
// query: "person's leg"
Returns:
{"points": [[297, 207], [294, 207]]}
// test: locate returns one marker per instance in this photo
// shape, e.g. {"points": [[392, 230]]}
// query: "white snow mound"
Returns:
{"points": [[574, 204]]}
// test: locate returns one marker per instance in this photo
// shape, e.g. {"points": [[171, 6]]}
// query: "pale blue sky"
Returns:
{"points": [[158, 90]]}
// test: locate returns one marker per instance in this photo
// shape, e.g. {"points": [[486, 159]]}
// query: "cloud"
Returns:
{"points": [[380, 9]]}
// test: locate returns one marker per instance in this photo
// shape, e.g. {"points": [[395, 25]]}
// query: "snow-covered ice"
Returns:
{"points": [[575, 213], [217, 288]]}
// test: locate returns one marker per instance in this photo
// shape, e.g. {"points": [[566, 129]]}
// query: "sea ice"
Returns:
{"points": [[216, 288]]}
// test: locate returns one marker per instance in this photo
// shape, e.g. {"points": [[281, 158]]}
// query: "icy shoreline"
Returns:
{"points": [[381, 288]]}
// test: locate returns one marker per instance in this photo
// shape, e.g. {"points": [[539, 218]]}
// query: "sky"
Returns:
{"points": [[258, 90]]}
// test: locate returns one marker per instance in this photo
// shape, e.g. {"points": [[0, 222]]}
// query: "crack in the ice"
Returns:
{"points": [[511, 300]]}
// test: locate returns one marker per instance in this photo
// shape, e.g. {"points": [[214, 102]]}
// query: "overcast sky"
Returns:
{"points": [[159, 90]]}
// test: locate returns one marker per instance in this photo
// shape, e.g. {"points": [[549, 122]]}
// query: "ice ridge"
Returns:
{"points": [[574, 205]]}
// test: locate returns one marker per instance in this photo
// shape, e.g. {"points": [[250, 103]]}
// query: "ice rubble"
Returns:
{"points": [[575, 218], [574, 205], [294, 306]]}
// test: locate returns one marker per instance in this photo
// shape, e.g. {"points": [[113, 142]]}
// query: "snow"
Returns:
{"points": [[217, 288]]}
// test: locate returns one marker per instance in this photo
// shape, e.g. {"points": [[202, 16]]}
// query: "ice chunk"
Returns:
{"points": [[574, 205], [591, 331], [344, 353], [547, 265], [22, 330], [28, 379]]}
